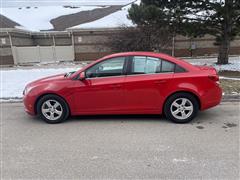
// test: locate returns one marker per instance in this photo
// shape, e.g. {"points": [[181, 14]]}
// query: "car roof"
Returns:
{"points": [[138, 53]]}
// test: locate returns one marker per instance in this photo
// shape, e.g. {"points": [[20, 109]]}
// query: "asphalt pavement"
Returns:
{"points": [[120, 147]]}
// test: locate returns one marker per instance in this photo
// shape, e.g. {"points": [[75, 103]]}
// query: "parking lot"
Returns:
{"points": [[121, 147]]}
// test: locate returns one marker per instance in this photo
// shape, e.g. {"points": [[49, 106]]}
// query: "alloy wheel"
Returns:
{"points": [[181, 108], [52, 109]]}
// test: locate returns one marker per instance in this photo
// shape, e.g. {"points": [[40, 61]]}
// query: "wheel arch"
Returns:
{"points": [[45, 94], [183, 91]]}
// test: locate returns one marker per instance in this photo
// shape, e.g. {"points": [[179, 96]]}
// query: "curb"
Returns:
{"points": [[231, 98]]}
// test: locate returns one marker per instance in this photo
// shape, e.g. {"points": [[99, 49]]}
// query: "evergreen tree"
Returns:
{"points": [[193, 18]]}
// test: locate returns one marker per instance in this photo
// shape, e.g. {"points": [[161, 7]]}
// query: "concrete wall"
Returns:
{"points": [[89, 44], [6, 57], [43, 54], [25, 47], [202, 46]]}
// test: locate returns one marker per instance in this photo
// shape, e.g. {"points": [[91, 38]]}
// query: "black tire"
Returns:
{"points": [[61, 101], [168, 104]]}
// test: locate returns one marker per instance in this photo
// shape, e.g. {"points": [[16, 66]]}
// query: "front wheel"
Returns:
{"points": [[52, 109], [181, 108]]}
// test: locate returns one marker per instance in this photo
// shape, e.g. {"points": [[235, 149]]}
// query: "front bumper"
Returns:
{"points": [[28, 102]]}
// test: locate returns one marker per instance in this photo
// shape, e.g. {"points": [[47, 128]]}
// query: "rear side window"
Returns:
{"points": [[179, 69], [167, 66]]}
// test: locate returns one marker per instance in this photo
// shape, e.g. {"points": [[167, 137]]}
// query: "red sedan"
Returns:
{"points": [[126, 83]]}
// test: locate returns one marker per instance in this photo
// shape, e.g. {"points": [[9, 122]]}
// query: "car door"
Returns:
{"points": [[102, 90], [146, 83]]}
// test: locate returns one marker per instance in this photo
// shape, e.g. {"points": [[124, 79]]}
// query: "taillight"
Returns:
{"points": [[214, 78]]}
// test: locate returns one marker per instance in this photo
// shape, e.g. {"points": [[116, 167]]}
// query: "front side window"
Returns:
{"points": [[145, 65], [110, 67]]}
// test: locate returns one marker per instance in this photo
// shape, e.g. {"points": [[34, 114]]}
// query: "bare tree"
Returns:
{"points": [[141, 38]]}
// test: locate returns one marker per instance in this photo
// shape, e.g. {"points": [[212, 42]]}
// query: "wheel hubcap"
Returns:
{"points": [[52, 109], [182, 108]]}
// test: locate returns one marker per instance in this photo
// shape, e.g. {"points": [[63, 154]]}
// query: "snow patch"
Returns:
{"points": [[114, 20], [13, 82], [234, 63], [38, 18]]}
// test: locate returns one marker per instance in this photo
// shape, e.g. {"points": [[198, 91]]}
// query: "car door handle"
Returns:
{"points": [[160, 82], [116, 85]]}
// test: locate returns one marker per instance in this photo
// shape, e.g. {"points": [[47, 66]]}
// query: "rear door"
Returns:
{"points": [[147, 82]]}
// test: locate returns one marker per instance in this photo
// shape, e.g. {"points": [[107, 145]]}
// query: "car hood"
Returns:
{"points": [[48, 79]]}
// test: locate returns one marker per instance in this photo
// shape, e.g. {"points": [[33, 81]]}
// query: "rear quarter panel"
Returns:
{"points": [[198, 83]]}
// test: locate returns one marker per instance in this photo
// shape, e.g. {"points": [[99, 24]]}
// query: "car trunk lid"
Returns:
{"points": [[211, 71]]}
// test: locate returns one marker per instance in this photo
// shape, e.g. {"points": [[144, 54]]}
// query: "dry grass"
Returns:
{"points": [[235, 74], [230, 86]]}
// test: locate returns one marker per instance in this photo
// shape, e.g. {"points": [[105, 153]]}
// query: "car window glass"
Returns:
{"points": [[167, 66], [110, 67], [139, 64], [179, 69], [153, 65], [145, 65]]}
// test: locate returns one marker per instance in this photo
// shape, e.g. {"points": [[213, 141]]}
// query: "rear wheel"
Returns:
{"points": [[52, 109], [181, 107]]}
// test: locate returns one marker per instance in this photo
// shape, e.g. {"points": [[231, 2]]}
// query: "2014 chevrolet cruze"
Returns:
{"points": [[126, 83]]}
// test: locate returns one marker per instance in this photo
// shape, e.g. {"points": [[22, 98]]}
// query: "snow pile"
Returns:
{"points": [[232, 66], [13, 82], [234, 63], [22, 3], [38, 18], [113, 20]]}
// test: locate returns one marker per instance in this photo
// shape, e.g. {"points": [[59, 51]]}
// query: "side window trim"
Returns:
{"points": [[129, 67]]}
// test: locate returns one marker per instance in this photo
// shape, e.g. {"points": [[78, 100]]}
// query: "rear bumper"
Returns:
{"points": [[212, 97]]}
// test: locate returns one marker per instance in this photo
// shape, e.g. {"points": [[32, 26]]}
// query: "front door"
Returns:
{"points": [[103, 89]]}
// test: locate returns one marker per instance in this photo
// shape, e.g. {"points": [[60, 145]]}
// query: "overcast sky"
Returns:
{"points": [[24, 3]]}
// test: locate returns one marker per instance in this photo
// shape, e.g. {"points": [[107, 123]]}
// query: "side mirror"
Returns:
{"points": [[82, 76]]}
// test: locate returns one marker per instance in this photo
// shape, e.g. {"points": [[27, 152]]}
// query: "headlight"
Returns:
{"points": [[26, 90]]}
